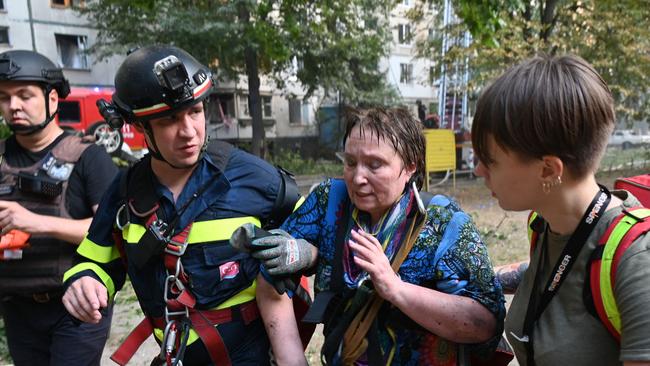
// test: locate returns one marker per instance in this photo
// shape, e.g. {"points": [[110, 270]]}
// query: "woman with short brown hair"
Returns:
{"points": [[540, 131]]}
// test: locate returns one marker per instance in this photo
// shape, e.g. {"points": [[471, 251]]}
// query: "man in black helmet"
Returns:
{"points": [[51, 183], [166, 222]]}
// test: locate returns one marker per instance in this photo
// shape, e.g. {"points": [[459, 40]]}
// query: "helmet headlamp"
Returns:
{"points": [[110, 114]]}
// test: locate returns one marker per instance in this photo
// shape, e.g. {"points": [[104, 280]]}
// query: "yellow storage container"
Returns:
{"points": [[440, 153]]}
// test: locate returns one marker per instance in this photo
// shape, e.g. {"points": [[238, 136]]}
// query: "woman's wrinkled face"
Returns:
{"points": [[374, 173]]}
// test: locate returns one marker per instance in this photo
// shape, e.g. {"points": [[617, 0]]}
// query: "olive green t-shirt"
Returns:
{"points": [[566, 333]]}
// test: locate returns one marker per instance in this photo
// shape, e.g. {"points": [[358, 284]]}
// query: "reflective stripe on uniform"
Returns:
{"points": [[242, 297], [106, 279], [201, 232], [97, 253], [606, 285]]}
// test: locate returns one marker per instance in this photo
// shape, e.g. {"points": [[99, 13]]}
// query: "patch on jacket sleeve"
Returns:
{"points": [[228, 270]]}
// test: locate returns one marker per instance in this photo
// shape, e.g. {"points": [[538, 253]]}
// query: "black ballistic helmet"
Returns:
{"points": [[30, 66], [154, 82]]}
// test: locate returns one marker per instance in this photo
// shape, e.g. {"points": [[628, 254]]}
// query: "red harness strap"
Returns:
{"points": [[174, 249], [181, 303], [132, 343], [203, 322]]}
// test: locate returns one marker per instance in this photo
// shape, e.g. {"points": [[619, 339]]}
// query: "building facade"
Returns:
{"points": [[54, 29], [410, 75], [289, 118]]}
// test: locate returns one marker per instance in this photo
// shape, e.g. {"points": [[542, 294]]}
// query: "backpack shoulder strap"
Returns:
{"points": [[620, 234], [426, 198], [535, 225], [122, 217], [287, 200], [2, 152]]}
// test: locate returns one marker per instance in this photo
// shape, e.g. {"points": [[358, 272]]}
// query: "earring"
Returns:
{"points": [[546, 187], [557, 181]]}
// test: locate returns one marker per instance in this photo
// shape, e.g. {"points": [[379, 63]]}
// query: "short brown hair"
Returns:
{"points": [[395, 125], [547, 105]]}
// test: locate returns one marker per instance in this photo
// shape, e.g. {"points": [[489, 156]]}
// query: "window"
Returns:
{"points": [[223, 108], [72, 51], [2, 5], [406, 2], [266, 107], [404, 36], [432, 75], [406, 73], [298, 64], [69, 111], [4, 35], [298, 112], [243, 106], [66, 3], [244, 111]]}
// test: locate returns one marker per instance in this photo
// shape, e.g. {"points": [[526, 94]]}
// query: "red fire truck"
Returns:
{"points": [[79, 112]]}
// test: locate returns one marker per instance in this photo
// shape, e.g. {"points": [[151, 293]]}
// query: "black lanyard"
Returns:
{"points": [[537, 304]]}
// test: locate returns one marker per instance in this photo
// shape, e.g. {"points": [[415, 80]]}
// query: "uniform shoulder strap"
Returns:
{"points": [[219, 152], [288, 192], [603, 263]]}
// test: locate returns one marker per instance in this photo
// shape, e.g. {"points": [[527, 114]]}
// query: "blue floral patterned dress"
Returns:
{"points": [[464, 269]]}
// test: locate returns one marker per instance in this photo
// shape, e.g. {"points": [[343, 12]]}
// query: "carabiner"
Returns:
{"points": [[118, 224], [164, 344]]}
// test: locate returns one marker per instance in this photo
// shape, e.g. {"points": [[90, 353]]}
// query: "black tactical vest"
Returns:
{"points": [[40, 188]]}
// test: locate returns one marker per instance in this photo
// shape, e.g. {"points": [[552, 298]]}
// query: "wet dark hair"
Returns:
{"points": [[547, 105], [396, 126]]}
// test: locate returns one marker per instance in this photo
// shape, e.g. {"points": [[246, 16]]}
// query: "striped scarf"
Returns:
{"points": [[389, 231]]}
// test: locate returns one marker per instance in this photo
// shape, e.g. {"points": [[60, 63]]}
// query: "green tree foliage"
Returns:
{"points": [[613, 35], [334, 44], [5, 132]]}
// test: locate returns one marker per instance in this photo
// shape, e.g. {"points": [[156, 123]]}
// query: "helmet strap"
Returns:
{"points": [[32, 129], [155, 152], [206, 140]]}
